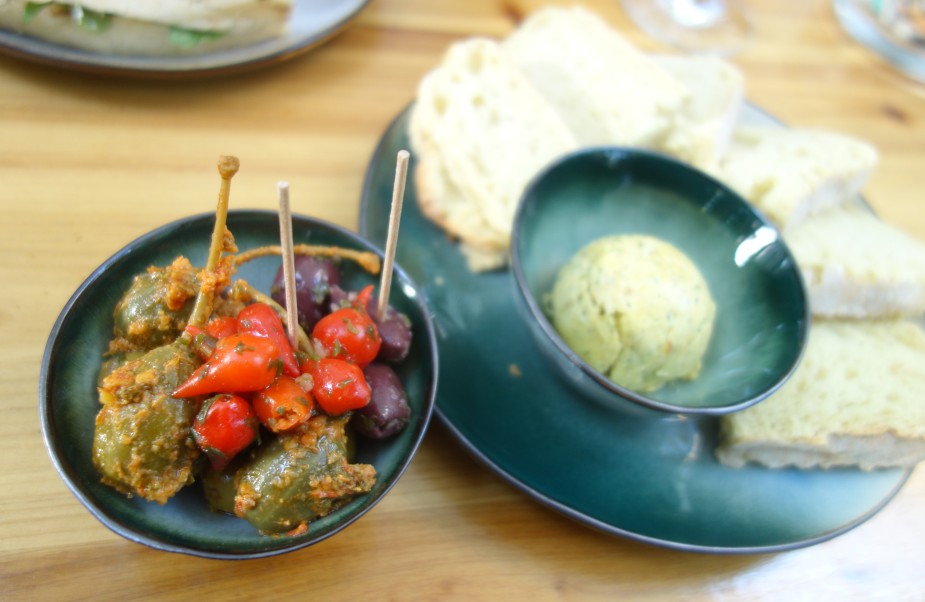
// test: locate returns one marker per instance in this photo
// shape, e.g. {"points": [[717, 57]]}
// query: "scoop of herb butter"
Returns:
{"points": [[636, 309]]}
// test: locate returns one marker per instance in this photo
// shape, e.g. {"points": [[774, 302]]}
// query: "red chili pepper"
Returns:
{"points": [[226, 424], [339, 386], [349, 332], [240, 363], [222, 326], [284, 404], [261, 319]]}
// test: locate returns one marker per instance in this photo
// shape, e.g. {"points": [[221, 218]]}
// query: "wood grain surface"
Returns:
{"points": [[88, 163]]}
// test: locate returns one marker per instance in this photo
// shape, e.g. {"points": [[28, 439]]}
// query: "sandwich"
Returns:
{"points": [[148, 28]]}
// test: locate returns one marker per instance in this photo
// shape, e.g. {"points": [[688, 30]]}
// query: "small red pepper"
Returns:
{"points": [[284, 404], [240, 363], [261, 319], [226, 424], [349, 332], [339, 386]]}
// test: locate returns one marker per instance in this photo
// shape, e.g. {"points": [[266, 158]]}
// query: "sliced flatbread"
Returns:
{"points": [[605, 89], [480, 132], [790, 174], [702, 128], [856, 265], [857, 399]]}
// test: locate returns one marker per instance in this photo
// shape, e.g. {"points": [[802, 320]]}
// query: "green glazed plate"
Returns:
{"points": [[652, 480], [68, 400]]}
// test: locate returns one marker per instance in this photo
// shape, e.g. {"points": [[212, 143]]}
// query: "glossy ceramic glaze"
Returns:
{"points": [[312, 23], [655, 481], [761, 311], [69, 402]]}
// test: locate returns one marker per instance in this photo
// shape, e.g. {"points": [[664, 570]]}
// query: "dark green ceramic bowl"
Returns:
{"points": [[68, 399], [761, 309]]}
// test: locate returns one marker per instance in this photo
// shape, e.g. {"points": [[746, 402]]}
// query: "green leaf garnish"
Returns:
{"points": [[32, 10], [188, 38]]}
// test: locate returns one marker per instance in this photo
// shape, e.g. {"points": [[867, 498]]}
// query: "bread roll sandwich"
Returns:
{"points": [[789, 174], [606, 90], [148, 27], [480, 132], [855, 400], [858, 266]]}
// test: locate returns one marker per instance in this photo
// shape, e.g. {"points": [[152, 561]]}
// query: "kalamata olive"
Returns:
{"points": [[395, 332], [388, 411], [314, 277], [394, 327]]}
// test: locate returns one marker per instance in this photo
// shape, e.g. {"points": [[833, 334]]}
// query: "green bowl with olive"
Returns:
{"points": [[186, 522]]}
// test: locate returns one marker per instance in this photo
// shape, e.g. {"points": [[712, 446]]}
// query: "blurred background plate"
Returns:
{"points": [[313, 22], [655, 481]]}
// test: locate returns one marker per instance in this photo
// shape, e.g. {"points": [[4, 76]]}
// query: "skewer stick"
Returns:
{"points": [[285, 237], [398, 195], [228, 166]]}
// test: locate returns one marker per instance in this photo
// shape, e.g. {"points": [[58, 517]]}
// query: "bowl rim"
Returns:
{"points": [[537, 314], [74, 484]]}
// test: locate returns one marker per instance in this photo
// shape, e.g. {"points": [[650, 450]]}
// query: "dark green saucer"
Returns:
{"points": [[655, 481]]}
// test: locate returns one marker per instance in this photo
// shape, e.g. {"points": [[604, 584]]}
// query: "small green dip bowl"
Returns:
{"points": [[762, 317]]}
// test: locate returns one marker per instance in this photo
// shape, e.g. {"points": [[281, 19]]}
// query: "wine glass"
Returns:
{"points": [[894, 29], [720, 27]]}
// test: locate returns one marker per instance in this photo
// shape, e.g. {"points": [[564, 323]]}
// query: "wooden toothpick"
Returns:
{"points": [[398, 195], [228, 166], [285, 238]]}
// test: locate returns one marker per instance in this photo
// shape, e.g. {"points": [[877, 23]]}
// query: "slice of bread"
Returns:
{"points": [[480, 132], [790, 174], [856, 265], [857, 399], [703, 127], [445, 205], [605, 89]]}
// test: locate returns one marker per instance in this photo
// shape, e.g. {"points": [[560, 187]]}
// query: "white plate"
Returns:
{"points": [[313, 22]]}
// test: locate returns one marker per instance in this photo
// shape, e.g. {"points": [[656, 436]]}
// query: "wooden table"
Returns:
{"points": [[89, 163]]}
